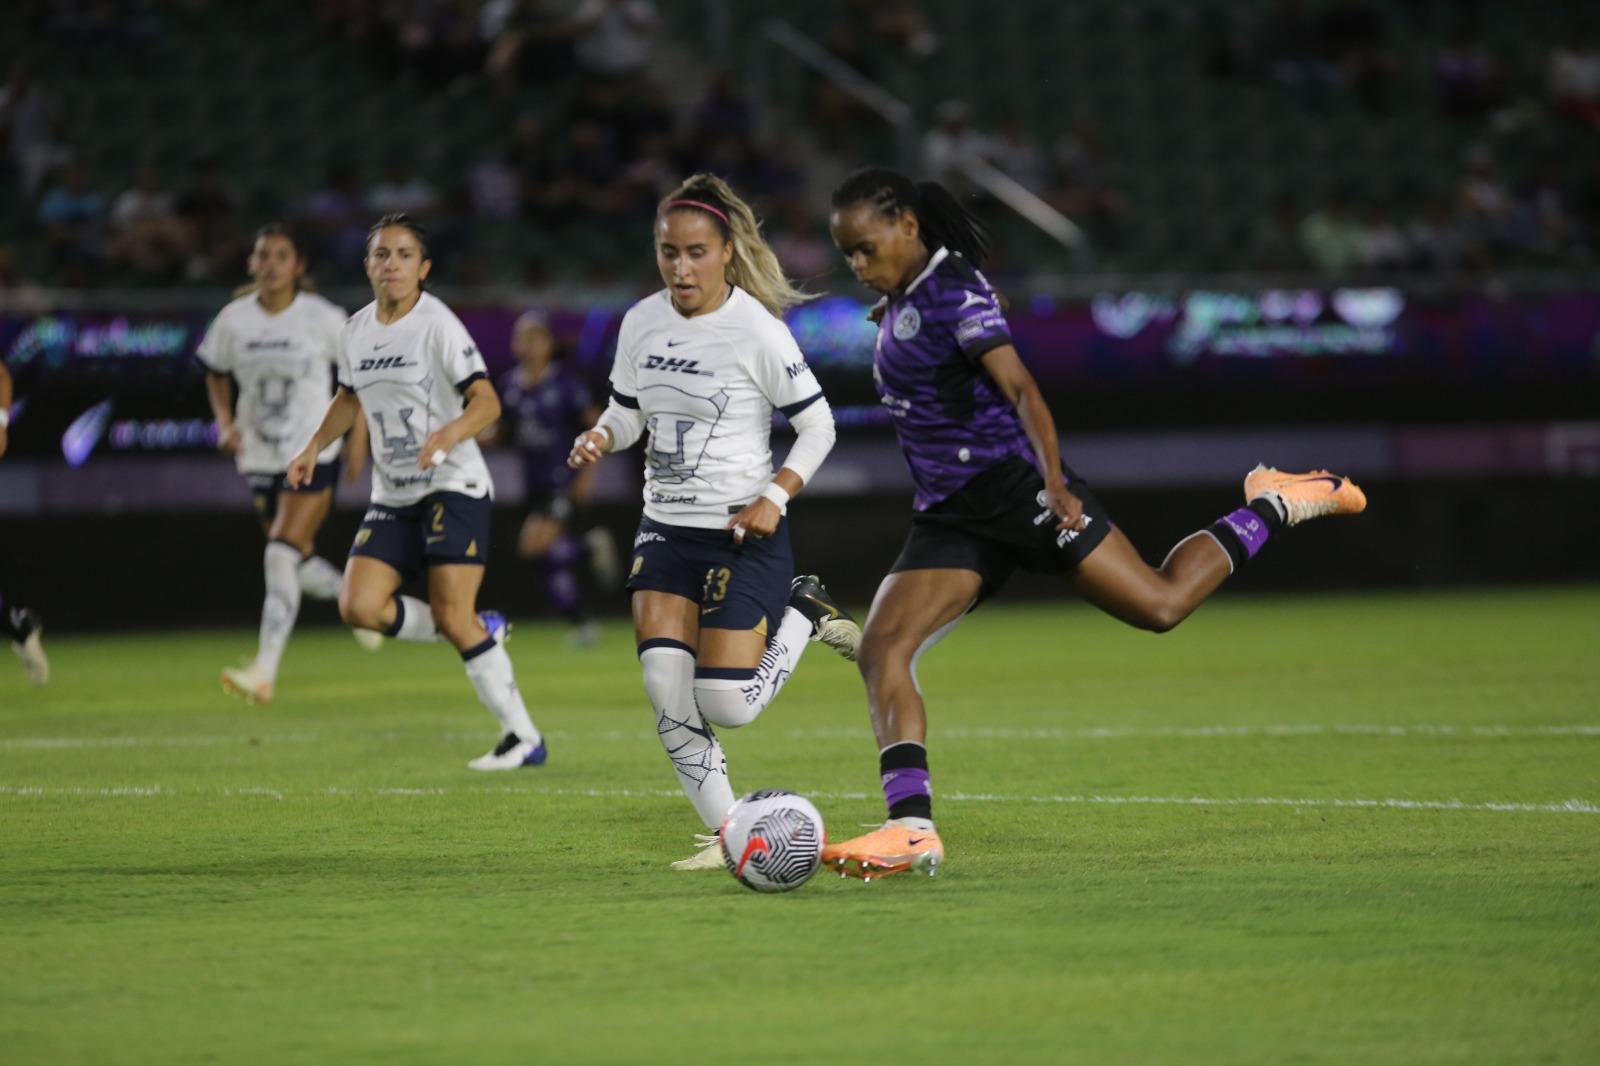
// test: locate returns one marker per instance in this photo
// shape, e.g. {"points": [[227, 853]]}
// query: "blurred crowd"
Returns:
{"points": [[593, 165]]}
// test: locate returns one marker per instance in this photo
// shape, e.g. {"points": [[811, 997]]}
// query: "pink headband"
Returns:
{"points": [[702, 206]]}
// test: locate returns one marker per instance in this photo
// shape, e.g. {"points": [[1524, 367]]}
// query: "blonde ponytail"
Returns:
{"points": [[754, 267]]}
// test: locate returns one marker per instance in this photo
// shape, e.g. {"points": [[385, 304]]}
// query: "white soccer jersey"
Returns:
{"points": [[409, 376], [707, 387], [283, 364]]}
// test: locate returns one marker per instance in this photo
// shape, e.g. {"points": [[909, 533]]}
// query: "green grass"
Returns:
{"points": [[324, 882]]}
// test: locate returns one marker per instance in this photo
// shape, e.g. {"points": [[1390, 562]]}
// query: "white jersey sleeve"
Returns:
{"points": [[216, 351], [625, 367], [775, 363], [455, 352]]}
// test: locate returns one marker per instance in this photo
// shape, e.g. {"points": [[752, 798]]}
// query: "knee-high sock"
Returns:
{"points": [[281, 563], [413, 620], [668, 668], [489, 670], [320, 579], [734, 698]]}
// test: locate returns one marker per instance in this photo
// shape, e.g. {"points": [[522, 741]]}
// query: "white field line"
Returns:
{"points": [[1573, 806], [851, 733]]}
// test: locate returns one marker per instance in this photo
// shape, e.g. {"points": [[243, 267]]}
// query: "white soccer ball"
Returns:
{"points": [[772, 840]]}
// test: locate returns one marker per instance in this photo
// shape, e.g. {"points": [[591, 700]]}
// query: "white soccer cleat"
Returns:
{"points": [[512, 753], [248, 683], [35, 663], [708, 857], [369, 639]]}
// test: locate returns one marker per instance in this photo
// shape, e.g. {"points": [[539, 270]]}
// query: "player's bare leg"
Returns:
{"points": [[911, 612], [1118, 581]]}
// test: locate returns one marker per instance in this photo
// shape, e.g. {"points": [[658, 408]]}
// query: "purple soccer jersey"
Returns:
{"points": [[544, 419], [952, 419]]}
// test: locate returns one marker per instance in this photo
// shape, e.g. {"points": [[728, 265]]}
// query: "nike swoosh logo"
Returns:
{"points": [[833, 612], [674, 344], [1336, 482], [385, 344], [912, 842], [708, 610], [434, 540], [755, 846]]}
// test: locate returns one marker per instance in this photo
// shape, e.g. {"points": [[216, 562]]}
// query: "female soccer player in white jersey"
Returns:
{"points": [[701, 365], [278, 341], [993, 495], [407, 362]]}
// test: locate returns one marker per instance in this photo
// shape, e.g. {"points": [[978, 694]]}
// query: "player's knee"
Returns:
{"points": [[456, 621], [725, 703], [881, 659], [363, 612], [1162, 617]]}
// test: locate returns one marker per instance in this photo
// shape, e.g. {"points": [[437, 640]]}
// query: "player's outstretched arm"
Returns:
{"points": [[1006, 368], [482, 410], [343, 410]]}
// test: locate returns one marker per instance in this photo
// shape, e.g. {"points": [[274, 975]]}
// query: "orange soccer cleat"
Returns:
{"points": [[1305, 496], [892, 848]]}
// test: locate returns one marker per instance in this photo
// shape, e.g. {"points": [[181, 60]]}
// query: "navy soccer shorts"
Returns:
{"points": [[444, 528], [264, 488], [738, 586]]}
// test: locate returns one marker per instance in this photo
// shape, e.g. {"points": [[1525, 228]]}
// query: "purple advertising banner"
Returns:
{"points": [[114, 382]]}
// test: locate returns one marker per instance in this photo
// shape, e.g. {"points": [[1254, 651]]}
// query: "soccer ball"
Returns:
{"points": [[772, 840]]}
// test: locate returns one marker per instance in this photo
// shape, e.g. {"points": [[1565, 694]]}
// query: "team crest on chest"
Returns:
{"points": [[906, 323]]}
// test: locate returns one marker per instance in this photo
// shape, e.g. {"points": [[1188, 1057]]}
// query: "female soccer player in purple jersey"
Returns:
{"points": [[992, 494], [545, 404]]}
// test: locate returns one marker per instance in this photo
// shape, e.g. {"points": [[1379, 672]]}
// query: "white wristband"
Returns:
{"points": [[5, 418], [776, 493]]}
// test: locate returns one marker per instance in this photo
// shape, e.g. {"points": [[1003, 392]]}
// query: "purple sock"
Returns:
{"points": [[1241, 534], [907, 790]]}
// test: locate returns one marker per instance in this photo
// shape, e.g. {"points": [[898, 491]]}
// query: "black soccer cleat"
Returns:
{"points": [[830, 623]]}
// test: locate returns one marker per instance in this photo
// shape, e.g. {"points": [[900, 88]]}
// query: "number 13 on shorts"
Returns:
{"points": [[716, 587]]}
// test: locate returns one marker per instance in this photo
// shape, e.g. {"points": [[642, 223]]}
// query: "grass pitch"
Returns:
{"points": [[1340, 829]]}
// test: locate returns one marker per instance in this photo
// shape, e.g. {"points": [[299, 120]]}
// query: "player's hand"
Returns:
{"points": [[437, 448], [301, 467], [1066, 507], [758, 519], [588, 447], [229, 439], [876, 314]]}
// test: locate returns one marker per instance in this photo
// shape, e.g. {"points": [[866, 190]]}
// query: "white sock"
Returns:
{"points": [[320, 579], [735, 702], [490, 674], [281, 564], [696, 755], [415, 621]]}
